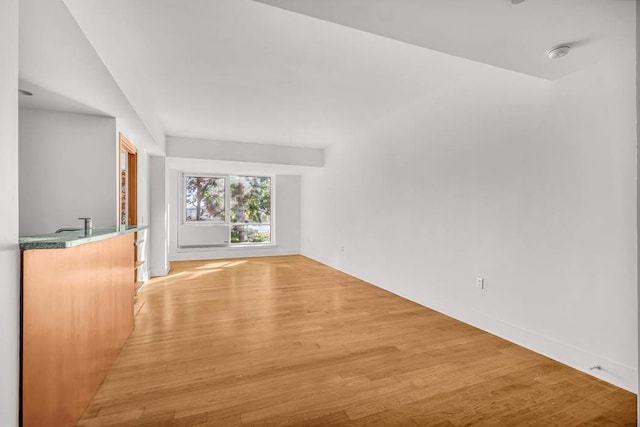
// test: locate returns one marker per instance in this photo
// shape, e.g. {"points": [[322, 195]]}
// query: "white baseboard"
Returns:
{"points": [[159, 272], [623, 376], [613, 372], [234, 252]]}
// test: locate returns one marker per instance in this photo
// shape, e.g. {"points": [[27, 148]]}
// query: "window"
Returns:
{"points": [[243, 202], [204, 198], [250, 209]]}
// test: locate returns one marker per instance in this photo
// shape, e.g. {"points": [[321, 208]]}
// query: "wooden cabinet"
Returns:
{"points": [[77, 314]]}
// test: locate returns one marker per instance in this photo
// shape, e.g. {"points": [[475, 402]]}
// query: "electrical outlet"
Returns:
{"points": [[480, 283]]}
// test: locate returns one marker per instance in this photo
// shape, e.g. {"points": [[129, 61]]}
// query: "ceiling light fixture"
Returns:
{"points": [[558, 52], [24, 92], [517, 1]]}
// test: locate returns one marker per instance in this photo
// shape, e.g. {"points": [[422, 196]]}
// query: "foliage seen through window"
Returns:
{"points": [[248, 199], [205, 198]]}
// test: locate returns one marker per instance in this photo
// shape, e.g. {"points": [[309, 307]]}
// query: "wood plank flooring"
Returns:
{"points": [[286, 341]]}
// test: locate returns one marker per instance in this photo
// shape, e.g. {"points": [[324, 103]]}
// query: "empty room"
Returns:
{"points": [[319, 213]]}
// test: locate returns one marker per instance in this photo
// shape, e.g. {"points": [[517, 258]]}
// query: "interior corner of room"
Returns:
{"points": [[496, 185]]}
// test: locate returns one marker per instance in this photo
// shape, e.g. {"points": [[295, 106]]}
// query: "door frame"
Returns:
{"points": [[132, 179]]}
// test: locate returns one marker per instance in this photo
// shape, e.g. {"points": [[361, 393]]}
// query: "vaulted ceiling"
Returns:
{"points": [[313, 73], [496, 32]]}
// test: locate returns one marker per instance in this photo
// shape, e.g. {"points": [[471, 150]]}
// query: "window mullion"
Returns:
{"points": [[227, 199]]}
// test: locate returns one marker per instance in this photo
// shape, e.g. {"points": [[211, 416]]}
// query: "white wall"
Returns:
{"points": [[144, 214], [159, 218], [9, 253], [69, 169], [528, 183], [194, 148], [287, 208], [55, 55], [288, 221], [66, 170]]}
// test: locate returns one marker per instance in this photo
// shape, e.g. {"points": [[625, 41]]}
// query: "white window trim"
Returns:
{"points": [[227, 208]]}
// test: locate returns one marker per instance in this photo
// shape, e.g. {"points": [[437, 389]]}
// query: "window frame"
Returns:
{"points": [[227, 206]]}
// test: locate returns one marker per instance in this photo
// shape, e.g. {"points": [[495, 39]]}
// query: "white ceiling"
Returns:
{"points": [[514, 37], [242, 70], [45, 99]]}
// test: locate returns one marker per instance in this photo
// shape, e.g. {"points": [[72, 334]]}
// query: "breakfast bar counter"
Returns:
{"points": [[77, 312], [69, 239]]}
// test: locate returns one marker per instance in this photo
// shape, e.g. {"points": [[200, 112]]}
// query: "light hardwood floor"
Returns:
{"points": [[286, 340]]}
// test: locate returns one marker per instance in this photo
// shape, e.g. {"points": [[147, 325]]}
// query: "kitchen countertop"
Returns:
{"points": [[69, 239]]}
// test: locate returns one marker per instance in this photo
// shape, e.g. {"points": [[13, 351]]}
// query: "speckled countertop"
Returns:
{"points": [[69, 239]]}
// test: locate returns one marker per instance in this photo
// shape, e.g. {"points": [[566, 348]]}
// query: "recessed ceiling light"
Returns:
{"points": [[559, 52], [24, 92]]}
